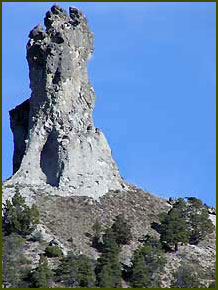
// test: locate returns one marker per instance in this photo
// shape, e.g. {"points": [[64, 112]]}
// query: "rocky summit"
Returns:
{"points": [[55, 140], [69, 219]]}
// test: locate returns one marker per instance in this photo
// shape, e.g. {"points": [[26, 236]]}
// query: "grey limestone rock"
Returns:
{"points": [[55, 140]]}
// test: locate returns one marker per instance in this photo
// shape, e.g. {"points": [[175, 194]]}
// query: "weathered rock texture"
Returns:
{"points": [[55, 140]]}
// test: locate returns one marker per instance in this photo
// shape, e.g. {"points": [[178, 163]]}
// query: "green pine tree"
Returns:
{"points": [[42, 276], [121, 230], [185, 222], [185, 277], [108, 267], [18, 217], [139, 272], [76, 271], [14, 264], [147, 263], [174, 228], [199, 223]]}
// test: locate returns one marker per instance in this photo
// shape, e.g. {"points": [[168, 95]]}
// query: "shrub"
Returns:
{"points": [[14, 263], [195, 201], [110, 274], [96, 240], [139, 273], [76, 271], [108, 267], [185, 277], [199, 224], [173, 229], [53, 251], [147, 263], [42, 275], [185, 222], [18, 217], [121, 230], [97, 229]]}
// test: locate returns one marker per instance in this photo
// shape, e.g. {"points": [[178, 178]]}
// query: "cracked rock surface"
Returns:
{"points": [[55, 141]]}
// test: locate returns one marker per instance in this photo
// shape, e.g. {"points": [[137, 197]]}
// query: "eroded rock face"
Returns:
{"points": [[55, 140]]}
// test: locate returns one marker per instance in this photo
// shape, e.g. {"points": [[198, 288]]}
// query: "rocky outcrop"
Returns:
{"points": [[55, 140]]}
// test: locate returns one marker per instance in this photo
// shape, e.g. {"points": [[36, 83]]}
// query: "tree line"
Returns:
{"points": [[187, 222]]}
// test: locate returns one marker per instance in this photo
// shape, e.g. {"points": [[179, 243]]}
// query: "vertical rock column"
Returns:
{"points": [[59, 145]]}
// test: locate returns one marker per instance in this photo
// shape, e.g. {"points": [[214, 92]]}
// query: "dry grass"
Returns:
{"points": [[73, 217]]}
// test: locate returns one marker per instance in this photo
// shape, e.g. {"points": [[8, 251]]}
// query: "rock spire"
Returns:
{"points": [[55, 140]]}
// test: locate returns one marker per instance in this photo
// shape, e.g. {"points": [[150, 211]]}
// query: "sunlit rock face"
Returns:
{"points": [[55, 140]]}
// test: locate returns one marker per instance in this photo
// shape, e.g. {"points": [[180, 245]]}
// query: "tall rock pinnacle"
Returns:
{"points": [[55, 140]]}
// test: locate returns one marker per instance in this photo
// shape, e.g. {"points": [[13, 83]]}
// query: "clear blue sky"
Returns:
{"points": [[153, 71]]}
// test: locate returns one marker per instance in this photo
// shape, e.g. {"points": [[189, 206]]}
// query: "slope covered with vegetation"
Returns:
{"points": [[164, 256]]}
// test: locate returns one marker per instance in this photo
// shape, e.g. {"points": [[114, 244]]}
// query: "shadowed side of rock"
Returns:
{"points": [[19, 119]]}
